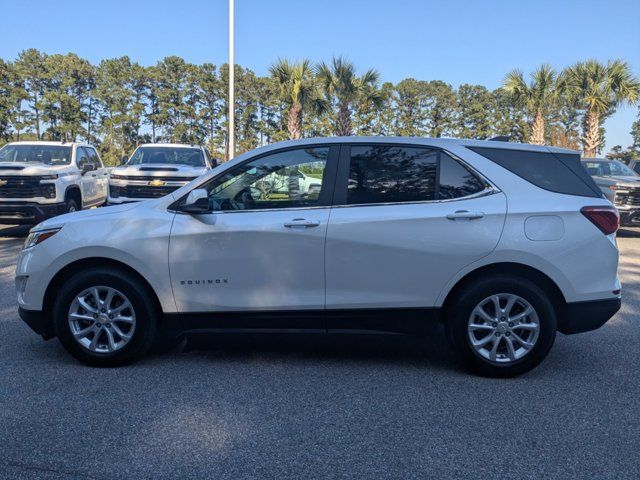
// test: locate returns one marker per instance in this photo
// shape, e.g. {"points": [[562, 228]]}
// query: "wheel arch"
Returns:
{"points": [[87, 263], [74, 192], [515, 269]]}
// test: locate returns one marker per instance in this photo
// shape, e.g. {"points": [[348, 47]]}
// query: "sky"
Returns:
{"points": [[458, 41]]}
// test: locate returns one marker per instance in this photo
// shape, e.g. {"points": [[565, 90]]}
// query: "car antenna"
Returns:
{"points": [[500, 138]]}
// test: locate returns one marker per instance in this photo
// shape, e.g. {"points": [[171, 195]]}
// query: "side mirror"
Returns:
{"points": [[88, 167], [124, 160], [197, 202]]}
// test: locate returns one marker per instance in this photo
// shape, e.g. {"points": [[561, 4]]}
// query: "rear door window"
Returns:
{"points": [[391, 174], [456, 180], [382, 174]]}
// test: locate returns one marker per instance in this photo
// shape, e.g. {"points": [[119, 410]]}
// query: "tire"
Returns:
{"points": [[505, 362], [70, 205], [140, 332]]}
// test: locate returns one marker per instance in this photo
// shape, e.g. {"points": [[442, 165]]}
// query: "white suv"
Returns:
{"points": [[505, 244], [155, 170], [39, 180]]}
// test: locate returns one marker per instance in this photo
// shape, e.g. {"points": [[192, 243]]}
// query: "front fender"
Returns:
{"points": [[140, 241]]}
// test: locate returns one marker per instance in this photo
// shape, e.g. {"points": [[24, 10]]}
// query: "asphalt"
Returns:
{"points": [[312, 408]]}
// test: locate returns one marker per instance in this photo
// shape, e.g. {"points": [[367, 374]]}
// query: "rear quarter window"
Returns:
{"points": [[560, 173]]}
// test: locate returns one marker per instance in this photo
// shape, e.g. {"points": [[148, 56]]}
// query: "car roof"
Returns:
{"points": [[169, 145], [434, 142], [51, 143]]}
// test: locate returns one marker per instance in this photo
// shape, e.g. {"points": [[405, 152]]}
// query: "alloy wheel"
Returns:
{"points": [[102, 319], [503, 328]]}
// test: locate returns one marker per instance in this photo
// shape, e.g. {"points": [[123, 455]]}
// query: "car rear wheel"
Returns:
{"points": [[501, 326], [105, 318]]}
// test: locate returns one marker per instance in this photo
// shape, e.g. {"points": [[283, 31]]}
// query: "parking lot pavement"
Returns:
{"points": [[274, 408]]}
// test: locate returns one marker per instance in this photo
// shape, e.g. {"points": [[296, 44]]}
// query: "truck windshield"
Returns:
{"points": [[167, 156], [609, 169], [47, 154]]}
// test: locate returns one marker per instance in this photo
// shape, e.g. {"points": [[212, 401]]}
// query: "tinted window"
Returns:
{"points": [[560, 173], [289, 179], [383, 174], [455, 180]]}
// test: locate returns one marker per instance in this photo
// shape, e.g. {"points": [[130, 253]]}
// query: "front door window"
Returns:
{"points": [[288, 179]]}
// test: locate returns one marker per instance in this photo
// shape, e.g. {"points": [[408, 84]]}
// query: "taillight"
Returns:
{"points": [[605, 218]]}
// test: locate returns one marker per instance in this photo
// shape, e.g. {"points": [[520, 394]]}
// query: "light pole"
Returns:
{"points": [[231, 115]]}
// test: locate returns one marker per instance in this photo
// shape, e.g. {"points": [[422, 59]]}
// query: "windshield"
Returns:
{"points": [[609, 169], [167, 156], [47, 154]]}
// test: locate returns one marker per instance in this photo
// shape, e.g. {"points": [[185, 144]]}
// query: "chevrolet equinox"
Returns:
{"points": [[504, 244]]}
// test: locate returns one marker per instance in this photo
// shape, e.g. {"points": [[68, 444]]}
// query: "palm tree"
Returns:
{"points": [[344, 88], [598, 90], [535, 98], [298, 90]]}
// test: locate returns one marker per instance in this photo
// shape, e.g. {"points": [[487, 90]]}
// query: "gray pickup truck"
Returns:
{"points": [[620, 185]]}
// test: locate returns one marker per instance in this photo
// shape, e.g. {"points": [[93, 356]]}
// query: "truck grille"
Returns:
{"points": [[140, 191], [25, 187], [630, 199], [148, 178]]}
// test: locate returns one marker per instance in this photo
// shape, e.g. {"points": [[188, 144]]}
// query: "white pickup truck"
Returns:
{"points": [[39, 180], [157, 169]]}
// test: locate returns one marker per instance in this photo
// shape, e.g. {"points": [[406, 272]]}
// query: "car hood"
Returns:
{"points": [[627, 180], [32, 168], [61, 220], [159, 170]]}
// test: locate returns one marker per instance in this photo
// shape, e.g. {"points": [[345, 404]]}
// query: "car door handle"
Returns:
{"points": [[465, 215], [302, 223]]}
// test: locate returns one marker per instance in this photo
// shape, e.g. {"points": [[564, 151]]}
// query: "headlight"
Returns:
{"points": [[116, 177], [49, 177], [40, 236]]}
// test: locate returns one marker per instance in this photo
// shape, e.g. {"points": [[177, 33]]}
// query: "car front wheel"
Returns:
{"points": [[70, 206], [105, 318], [501, 326]]}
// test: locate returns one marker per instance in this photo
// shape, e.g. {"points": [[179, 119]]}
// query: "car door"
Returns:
{"points": [[260, 249], [406, 219], [101, 175], [87, 180]]}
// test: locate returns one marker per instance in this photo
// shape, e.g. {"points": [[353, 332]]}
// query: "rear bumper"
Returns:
{"points": [[586, 316], [37, 322], [28, 213]]}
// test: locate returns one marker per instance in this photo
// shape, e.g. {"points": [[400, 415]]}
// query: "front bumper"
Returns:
{"points": [[581, 317], [28, 213], [629, 218], [38, 322]]}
